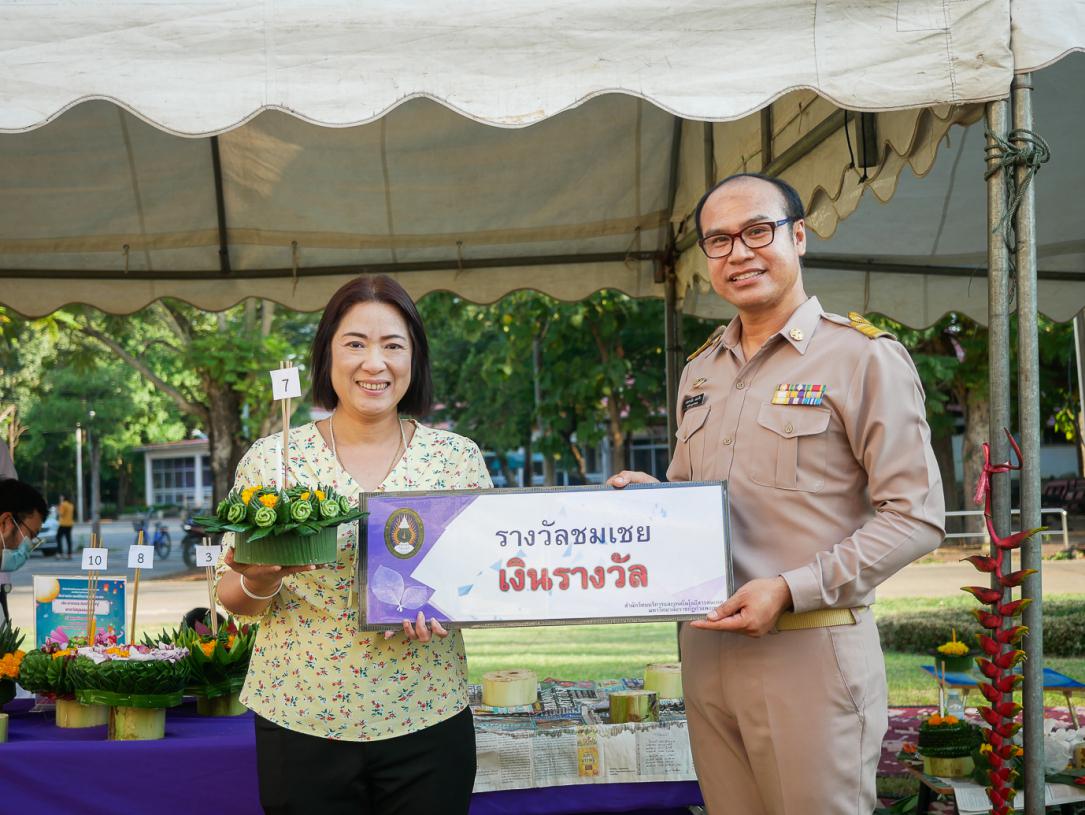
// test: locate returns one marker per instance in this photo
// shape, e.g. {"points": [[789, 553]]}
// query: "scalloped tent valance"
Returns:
{"points": [[106, 204]]}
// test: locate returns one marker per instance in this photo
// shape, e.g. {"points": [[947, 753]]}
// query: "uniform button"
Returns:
{"points": [[788, 428], [740, 384], [727, 440]]}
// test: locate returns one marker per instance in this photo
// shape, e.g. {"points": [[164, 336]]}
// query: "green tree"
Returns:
{"points": [[212, 366]]}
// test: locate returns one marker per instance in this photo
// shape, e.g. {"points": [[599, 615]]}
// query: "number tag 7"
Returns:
{"points": [[140, 557], [285, 384]]}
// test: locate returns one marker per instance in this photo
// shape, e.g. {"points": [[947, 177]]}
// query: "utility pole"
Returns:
{"points": [[79, 472]]}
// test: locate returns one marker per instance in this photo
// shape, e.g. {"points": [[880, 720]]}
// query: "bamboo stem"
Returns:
{"points": [[285, 406], [135, 595], [210, 572]]}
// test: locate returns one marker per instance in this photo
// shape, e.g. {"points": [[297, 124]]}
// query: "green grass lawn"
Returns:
{"points": [[611, 651]]}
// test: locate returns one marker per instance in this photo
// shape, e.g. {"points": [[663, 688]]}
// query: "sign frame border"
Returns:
{"points": [[363, 553]]}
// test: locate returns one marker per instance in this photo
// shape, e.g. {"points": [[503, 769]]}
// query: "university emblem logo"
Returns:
{"points": [[404, 533]]}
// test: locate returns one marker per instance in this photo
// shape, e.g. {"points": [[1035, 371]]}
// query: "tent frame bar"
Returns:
{"points": [[451, 264], [827, 262], [220, 208]]}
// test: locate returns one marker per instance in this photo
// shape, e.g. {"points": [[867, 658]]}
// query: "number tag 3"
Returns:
{"points": [[207, 555], [140, 557], [94, 560]]}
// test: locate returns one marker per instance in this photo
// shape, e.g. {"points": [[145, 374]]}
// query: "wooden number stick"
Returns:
{"points": [[135, 594], [285, 405], [210, 572], [90, 597]]}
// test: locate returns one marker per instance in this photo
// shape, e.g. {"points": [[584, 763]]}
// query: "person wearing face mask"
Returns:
{"points": [[353, 721], [22, 512]]}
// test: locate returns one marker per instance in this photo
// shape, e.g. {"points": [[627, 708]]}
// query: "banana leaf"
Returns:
{"points": [[128, 676], [41, 673]]}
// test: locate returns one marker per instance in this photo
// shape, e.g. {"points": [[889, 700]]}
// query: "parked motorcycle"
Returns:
{"points": [[160, 540], [194, 534]]}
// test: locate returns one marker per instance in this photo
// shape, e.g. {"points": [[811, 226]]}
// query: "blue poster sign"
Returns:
{"points": [[61, 602]]}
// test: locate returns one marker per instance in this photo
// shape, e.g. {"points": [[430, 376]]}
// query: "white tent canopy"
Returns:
{"points": [[114, 193]]}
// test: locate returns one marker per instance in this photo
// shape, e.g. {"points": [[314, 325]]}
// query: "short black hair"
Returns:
{"points": [[21, 500], [793, 208], [418, 399]]}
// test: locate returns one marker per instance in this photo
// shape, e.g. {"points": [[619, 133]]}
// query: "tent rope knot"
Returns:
{"points": [[1021, 148]]}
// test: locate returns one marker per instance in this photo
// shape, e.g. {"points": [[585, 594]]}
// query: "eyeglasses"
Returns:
{"points": [[31, 535], [754, 236]]}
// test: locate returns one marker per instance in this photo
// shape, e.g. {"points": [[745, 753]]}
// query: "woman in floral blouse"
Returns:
{"points": [[350, 721]]}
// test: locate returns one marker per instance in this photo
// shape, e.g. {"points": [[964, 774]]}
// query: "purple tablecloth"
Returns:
{"points": [[209, 765]]}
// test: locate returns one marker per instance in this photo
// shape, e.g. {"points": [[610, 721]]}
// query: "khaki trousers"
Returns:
{"points": [[788, 724]]}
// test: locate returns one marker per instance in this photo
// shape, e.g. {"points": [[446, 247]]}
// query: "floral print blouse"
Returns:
{"points": [[312, 670]]}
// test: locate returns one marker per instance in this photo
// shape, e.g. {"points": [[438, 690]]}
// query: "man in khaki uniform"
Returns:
{"points": [[817, 423]]}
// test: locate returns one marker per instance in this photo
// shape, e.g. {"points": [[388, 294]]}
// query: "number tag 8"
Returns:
{"points": [[140, 557]]}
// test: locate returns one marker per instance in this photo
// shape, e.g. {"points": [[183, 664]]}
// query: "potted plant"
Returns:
{"points": [[292, 527], [10, 659], [217, 665], [45, 671], [955, 655], [136, 682]]}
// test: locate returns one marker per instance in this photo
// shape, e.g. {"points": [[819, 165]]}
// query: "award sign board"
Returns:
{"points": [[61, 602], [545, 556]]}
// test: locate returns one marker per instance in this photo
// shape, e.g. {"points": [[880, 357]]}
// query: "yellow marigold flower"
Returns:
{"points": [[230, 641], [305, 495], [949, 720], [207, 647], [955, 648], [247, 493], [269, 501], [319, 494]]}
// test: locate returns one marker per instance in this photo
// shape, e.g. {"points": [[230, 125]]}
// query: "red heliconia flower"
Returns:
{"points": [[988, 668], [1015, 540], [1015, 579], [990, 692], [989, 646], [994, 739], [982, 562], [983, 594], [994, 792], [991, 717], [1009, 659], [1007, 729], [1011, 636], [1007, 751], [1014, 608], [1008, 683], [987, 619], [1007, 710], [996, 760]]}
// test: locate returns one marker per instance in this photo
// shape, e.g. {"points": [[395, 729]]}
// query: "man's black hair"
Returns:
{"points": [[21, 500], [792, 203]]}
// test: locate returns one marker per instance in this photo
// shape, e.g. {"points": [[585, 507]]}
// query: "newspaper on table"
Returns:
{"points": [[565, 738]]}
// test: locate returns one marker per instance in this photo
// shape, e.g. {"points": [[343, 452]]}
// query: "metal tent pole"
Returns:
{"points": [[998, 321], [1028, 395]]}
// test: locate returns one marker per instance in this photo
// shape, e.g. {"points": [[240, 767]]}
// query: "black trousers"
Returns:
{"points": [[431, 771], [64, 533]]}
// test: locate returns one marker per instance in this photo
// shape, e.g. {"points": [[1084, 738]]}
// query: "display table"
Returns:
{"points": [[1054, 682], [209, 765]]}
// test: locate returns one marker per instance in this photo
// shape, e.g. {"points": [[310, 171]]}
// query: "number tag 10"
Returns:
{"points": [[140, 557], [95, 560], [207, 555]]}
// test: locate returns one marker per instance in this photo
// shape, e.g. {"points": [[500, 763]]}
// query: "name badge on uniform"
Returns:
{"points": [[798, 394], [692, 401]]}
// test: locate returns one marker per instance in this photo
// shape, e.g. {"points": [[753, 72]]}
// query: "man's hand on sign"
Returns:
{"points": [[752, 610], [627, 477]]}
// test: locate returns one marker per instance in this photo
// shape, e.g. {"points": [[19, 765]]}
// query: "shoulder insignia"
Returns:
{"points": [[713, 338], [864, 326]]}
